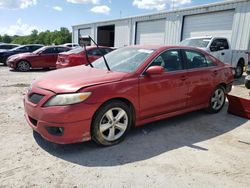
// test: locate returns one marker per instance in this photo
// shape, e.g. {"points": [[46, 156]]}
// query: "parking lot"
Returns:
{"points": [[193, 150]]}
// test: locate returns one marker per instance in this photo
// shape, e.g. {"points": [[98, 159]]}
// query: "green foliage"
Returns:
{"points": [[46, 37]]}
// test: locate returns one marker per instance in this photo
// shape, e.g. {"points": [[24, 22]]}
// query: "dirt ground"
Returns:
{"points": [[192, 150]]}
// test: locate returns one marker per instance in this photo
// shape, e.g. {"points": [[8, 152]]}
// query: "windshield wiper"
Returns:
{"points": [[101, 52], [87, 56]]}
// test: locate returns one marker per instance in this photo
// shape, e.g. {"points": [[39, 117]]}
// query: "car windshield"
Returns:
{"points": [[199, 42], [124, 59], [16, 48]]}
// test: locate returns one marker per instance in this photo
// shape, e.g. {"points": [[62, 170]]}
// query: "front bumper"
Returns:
{"points": [[74, 120], [11, 64]]}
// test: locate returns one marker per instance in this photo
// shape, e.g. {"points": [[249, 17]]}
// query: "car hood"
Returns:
{"points": [[70, 80]]}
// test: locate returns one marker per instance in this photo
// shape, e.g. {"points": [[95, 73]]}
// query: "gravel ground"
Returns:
{"points": [[192, 150]]}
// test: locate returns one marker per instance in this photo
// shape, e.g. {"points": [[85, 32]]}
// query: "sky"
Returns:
{"points": [[20, 17]]}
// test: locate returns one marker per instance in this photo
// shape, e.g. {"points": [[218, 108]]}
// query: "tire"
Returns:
{"points": [[239, 70], [23, 66], [107, 128], [217, 101], [247, 82]]}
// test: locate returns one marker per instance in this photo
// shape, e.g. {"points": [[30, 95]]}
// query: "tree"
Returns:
{"points": [[6, 38], [46, 37]]}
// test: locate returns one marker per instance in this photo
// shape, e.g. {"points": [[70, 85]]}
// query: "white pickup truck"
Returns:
{"points": [[220, 48]]}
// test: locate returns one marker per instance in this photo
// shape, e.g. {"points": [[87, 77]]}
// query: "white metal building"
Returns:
{"points": [[229, 19]]}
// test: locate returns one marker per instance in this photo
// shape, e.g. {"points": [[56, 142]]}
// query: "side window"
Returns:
{"points": [[49, 51], [219, 44], [94, 52], [195, 59], [170, 60], [61, 49], [24, 49], [33, 48]]}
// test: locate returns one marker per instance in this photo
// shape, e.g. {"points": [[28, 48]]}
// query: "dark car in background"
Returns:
{"points": [[4, 47], [21, 49], [44, 57], [77, 56]]}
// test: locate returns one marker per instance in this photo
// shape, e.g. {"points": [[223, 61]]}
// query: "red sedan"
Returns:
{"points": [[44, 57], [134, 86], [77, 56]]}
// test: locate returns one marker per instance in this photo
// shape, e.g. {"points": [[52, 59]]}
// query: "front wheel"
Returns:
{"points": [[111, 123], [23, 66], [217, 100]]}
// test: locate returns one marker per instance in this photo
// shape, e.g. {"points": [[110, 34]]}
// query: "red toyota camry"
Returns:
{"points": [[78, 56], [130, 87], [44, 57]]}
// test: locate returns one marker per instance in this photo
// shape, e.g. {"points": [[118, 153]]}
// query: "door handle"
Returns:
{"points": [[215, 72], [183, 78], [222, 53]]}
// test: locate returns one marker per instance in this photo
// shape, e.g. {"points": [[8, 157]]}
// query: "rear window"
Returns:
{"points": [[75, 51]]}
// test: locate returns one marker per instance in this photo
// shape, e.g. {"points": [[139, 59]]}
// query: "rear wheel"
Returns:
{"points": [[111, 123], [23, 66], [239, 69], [217, 100]]}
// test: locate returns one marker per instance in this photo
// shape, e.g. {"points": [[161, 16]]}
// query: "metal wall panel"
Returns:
{"points": [[241, 27], [75, 37]]}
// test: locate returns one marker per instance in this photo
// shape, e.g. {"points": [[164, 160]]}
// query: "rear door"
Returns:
{"points": [[165, 93], [202, 76]]}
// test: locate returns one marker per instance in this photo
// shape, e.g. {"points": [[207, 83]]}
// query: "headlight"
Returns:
{"points": [[66, 99]]}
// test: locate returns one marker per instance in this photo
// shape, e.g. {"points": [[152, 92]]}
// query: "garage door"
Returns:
{"points": [[150, 32], [210, 24], [84, 32]]}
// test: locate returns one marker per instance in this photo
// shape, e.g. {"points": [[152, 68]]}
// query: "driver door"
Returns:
{"points": [[167, 92], [220, 49]]}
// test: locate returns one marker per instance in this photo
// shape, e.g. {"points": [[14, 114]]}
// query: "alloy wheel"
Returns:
{"points": [[23, 66], [217, 101], [113, 124]]}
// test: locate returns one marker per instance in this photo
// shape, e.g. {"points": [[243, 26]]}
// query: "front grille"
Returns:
{"points": [[33, 121], [35, 98]]}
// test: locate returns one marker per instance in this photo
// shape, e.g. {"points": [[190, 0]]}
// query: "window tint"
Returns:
{"points": [[220, 44], [61, 49], [195, 59], [50, 51], [95, 52], [170, 60], [24, 49], [3, 47], [33, 48], [7, 46], [107, 50]]}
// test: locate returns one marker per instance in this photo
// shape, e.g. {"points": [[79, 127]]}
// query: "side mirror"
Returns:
{"points": [[155, 70]]}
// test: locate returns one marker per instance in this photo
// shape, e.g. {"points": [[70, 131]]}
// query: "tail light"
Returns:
{"points": [[63, 60]]}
